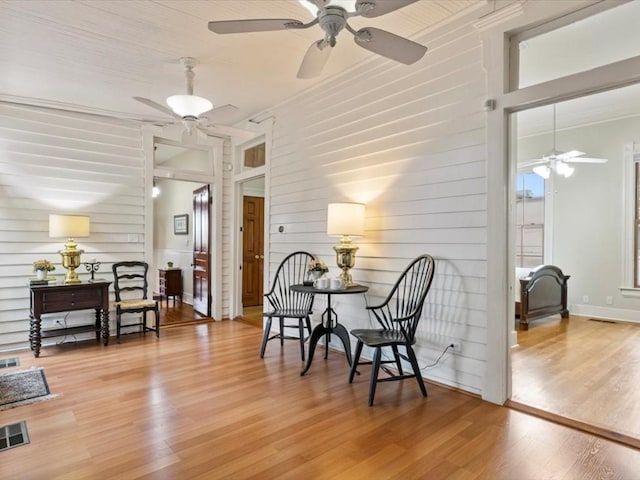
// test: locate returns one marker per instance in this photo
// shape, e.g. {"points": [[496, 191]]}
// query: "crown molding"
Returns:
{"points": [[75, 108], [499, 16]]}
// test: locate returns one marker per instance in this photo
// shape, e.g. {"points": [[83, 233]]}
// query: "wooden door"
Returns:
{"points": [[252, 250], [201, 251]]}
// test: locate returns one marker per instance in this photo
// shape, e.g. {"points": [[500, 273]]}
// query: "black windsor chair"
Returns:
{"points": [[398, 316], [287, 304]]}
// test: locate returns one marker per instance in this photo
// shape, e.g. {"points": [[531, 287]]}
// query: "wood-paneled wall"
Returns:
{"points": [[409, 142], [53, 161]]}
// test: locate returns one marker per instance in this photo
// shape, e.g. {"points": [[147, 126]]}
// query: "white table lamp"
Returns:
{"points": [[70, 227], [345, 220]]}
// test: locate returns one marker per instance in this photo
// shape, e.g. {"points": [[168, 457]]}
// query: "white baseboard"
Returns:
{"points": [[605, 313], [513, 338]]}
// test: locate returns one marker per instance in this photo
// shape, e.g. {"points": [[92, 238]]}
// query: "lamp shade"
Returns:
{"points": [[189, 105], [345, 219], [68, 226]]}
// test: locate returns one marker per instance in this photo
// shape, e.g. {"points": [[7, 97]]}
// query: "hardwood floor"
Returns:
{"points": [[584, 370], [199, 403], [178, 313], [253, 316]]}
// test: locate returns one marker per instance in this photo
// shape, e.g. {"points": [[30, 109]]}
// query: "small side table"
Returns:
{"points": [[170, 284], [329, 324], [68, 298]]}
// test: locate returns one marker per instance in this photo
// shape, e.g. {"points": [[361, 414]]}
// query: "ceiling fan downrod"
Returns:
{"points": [[189, 63], [332, 20]]}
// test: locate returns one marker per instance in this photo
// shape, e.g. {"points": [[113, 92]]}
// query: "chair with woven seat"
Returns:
{"points": [[398, 316], [131, 291], [286, 304]]}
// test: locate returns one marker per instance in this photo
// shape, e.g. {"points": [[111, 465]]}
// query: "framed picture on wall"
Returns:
{"points": [[181, 224]]}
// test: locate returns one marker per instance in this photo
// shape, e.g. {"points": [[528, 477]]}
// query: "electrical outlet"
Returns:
{"points": [[609, 300], [585, 299], [456, 346]]}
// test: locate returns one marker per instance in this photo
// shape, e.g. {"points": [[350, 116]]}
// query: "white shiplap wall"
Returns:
{"points": [[53, 161], [410, 142]]}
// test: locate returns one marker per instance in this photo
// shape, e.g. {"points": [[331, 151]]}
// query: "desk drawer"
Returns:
{"points": [[73, 300]]}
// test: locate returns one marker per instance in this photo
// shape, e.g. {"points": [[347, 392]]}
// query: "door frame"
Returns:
{"points": [[495, 31], [263, 134], [214, 177]]}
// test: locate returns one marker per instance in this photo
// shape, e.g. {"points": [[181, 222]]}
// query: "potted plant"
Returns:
{"points": [[42, 267]]}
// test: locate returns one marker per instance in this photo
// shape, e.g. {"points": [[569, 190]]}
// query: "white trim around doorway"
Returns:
{"points": [[263, 135]]}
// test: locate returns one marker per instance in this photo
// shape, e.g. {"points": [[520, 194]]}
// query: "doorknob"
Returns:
{"points": [[257, 256]]}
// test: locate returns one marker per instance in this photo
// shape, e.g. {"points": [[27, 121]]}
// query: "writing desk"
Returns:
{"points": [[68, 298], [329, 325]]}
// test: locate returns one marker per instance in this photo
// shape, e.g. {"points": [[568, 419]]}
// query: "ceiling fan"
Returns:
{"points": [[557, 161], [192, 111], [332, 16]]}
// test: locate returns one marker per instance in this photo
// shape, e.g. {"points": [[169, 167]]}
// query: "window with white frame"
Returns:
{"points": [[530, 212], [631, 254], [530, 50]]}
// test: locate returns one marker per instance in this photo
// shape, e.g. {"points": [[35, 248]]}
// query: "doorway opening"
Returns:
{"points": [[575, 370], [253, 228], [179, 228]]}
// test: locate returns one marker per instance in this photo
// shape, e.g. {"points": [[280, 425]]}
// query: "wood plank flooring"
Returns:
{"points": [[253, 316], [199, 403], [178, 313], [583, 370]]}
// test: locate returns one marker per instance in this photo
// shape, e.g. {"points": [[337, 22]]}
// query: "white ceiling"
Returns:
{"points": [[101, 53], [98, 54]]}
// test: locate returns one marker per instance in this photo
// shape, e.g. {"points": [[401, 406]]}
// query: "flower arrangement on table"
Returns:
{"points": [[315, 269], [43, 266], [316, 265]]}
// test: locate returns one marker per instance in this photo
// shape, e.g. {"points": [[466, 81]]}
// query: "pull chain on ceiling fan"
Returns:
{"points": [[558, 161], [332, 17]]}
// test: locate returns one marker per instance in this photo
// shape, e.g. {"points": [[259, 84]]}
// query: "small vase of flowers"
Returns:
{"points": [[315, 269], [42, 267]]}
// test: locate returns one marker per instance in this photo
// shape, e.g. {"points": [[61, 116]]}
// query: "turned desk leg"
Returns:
{"points": [[98, 324], [105, 328], [35, 337]]}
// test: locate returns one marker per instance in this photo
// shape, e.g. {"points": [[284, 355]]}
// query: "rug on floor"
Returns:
{"points": [[23, 387]]}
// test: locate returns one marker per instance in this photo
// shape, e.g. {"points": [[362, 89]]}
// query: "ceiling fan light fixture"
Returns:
{"points": [[563, 169], [189, 105], [542, 170], [348, 5], [312, 8]]}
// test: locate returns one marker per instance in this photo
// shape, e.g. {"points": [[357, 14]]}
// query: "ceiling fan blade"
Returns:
{"points": [[254, 25], [314, 60], [382, 7], [389, 45], [219, 112], [568, 155], [227, 131], [585, 160], [531, 163], [157, 106]]}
